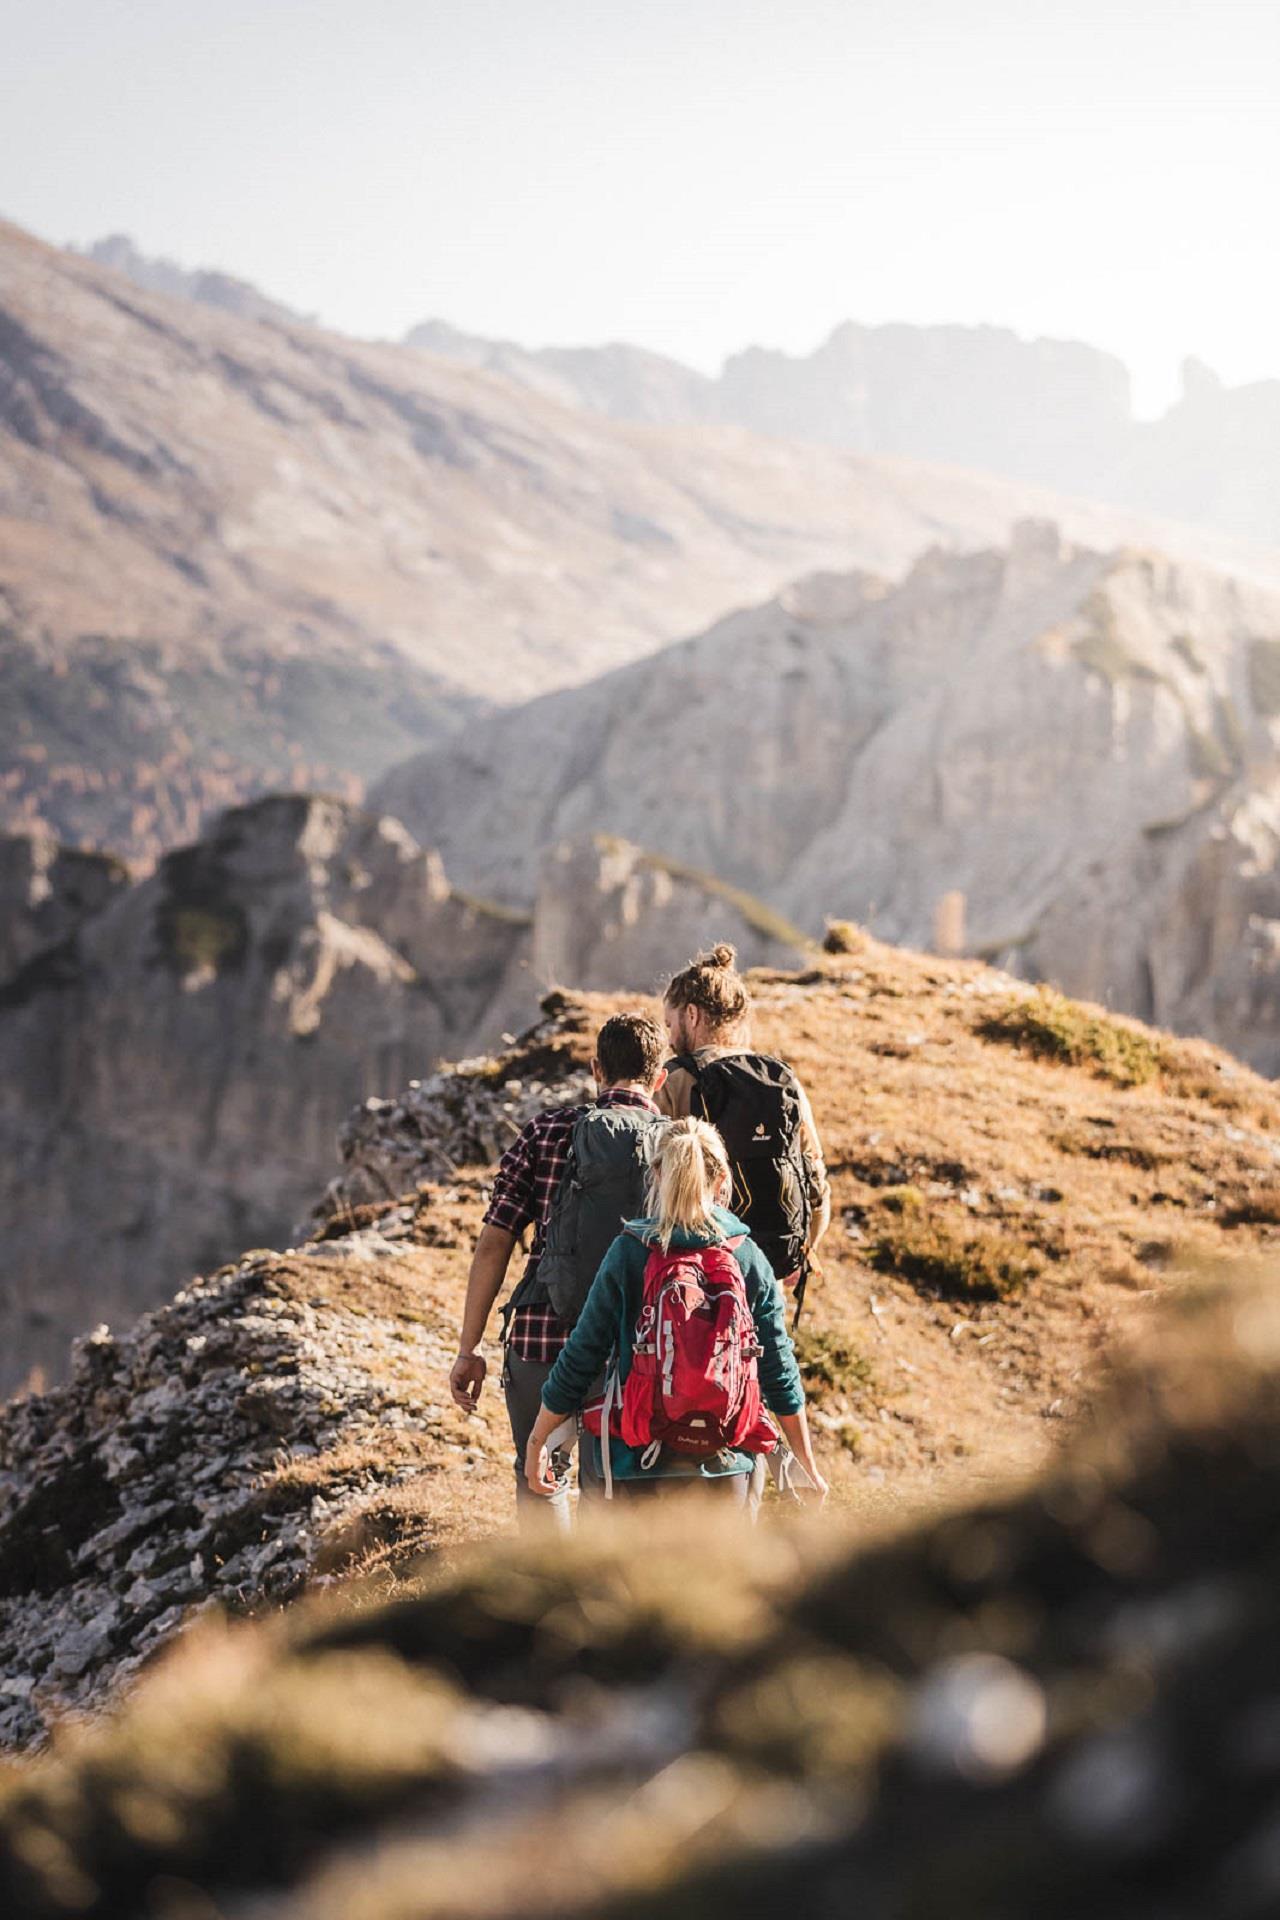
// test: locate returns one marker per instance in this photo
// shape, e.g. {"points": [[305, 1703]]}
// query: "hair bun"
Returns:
{"points": [[722, 956]]}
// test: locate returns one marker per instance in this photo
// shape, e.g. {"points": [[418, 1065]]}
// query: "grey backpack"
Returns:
{"points": [[603, 1184]]}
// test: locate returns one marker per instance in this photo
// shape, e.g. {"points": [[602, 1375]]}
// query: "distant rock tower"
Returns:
{"points": [[948, 925]]}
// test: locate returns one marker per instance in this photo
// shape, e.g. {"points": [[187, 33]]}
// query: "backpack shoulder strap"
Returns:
{"points": [[685, 1061]]}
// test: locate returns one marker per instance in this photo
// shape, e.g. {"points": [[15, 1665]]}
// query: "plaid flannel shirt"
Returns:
{"points": [[524, 1191]]}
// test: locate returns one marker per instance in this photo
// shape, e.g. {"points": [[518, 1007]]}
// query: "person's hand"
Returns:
{"points": [[537, 1471], [819, 1491], [466, 1380]]}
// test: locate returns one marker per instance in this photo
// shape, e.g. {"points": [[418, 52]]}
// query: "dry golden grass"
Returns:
{"points": [[1053, 1199]]}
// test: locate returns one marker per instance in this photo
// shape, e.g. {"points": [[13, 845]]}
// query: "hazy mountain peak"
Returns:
{"points": [[208, 286]]}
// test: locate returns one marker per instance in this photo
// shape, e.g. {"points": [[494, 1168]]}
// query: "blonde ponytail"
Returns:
{"points": [[688, 1172]]}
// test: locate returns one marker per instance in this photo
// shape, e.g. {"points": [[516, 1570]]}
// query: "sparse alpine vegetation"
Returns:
{"points": [[926, 1248], [1055, 1028]]}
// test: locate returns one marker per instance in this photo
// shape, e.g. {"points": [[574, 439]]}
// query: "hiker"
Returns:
{"points": [[573, 1174], [758, 1106], [691, 1312]]}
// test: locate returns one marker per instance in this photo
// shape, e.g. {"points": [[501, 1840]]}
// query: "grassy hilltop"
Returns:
{"points": [[1020, 1664]]}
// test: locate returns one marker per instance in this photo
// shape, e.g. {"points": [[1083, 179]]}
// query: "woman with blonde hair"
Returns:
{"points": [[689, 1316]]}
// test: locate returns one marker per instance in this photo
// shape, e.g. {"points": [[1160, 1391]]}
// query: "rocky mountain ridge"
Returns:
{"points": [[243, 553], [207, 286], [1055, 413], [1083, 745]]}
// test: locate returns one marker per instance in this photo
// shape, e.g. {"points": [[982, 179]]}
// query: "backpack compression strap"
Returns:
{"points": [[689, 1064]]}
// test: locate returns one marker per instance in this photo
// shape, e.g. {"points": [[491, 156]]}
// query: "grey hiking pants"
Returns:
{"points": [[522, 1384]]}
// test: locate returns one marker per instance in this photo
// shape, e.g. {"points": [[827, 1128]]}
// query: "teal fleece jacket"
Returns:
{"points": [[607, 1323]]}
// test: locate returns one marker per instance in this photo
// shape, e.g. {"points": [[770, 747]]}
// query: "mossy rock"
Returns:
{"points": [[757, 914]]}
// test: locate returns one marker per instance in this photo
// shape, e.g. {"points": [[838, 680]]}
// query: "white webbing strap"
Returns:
{"points": [[606, 1461]]}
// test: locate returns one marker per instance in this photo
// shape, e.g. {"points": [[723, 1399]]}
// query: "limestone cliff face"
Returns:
{"points": [[46, 889], [1084, 745], [174, 1071], [609, 914], [175, 1064]]}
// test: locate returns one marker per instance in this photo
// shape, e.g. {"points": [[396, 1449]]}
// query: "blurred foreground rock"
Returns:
{"points": [[1065, 1702]]}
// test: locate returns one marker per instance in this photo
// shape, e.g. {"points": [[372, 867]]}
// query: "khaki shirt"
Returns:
{"points": [[674, 1098]]}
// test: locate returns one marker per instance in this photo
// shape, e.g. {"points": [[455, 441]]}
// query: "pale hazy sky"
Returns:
{"points": [[686, 174]]}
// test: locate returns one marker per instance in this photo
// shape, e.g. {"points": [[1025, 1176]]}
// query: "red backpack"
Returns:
{"points": [[694, 1385]]}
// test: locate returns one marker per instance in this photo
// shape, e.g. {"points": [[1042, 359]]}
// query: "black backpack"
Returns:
{"points": [[603, 1184], [753, 1101]]}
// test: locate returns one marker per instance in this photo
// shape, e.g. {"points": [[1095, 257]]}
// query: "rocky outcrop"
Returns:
{"points": [[626, 383], [1084, 745], [46, 890], [174, 1070], [1053, 411], [176, 1056], [610, 914], [208, 286], [250, 1437]]}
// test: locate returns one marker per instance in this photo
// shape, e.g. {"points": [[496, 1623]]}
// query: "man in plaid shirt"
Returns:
{"points": [[628, 1071]]}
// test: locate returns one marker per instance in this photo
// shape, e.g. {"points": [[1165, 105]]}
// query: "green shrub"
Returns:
{"points": [[977, 1264], [831, 1364], [1055, 1028], [904, 1199], [844, 936], [202, 937]]}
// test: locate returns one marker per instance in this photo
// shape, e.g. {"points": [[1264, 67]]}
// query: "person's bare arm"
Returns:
{"points": [[537, 1468], [489, 1265], [795, 1427]]}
